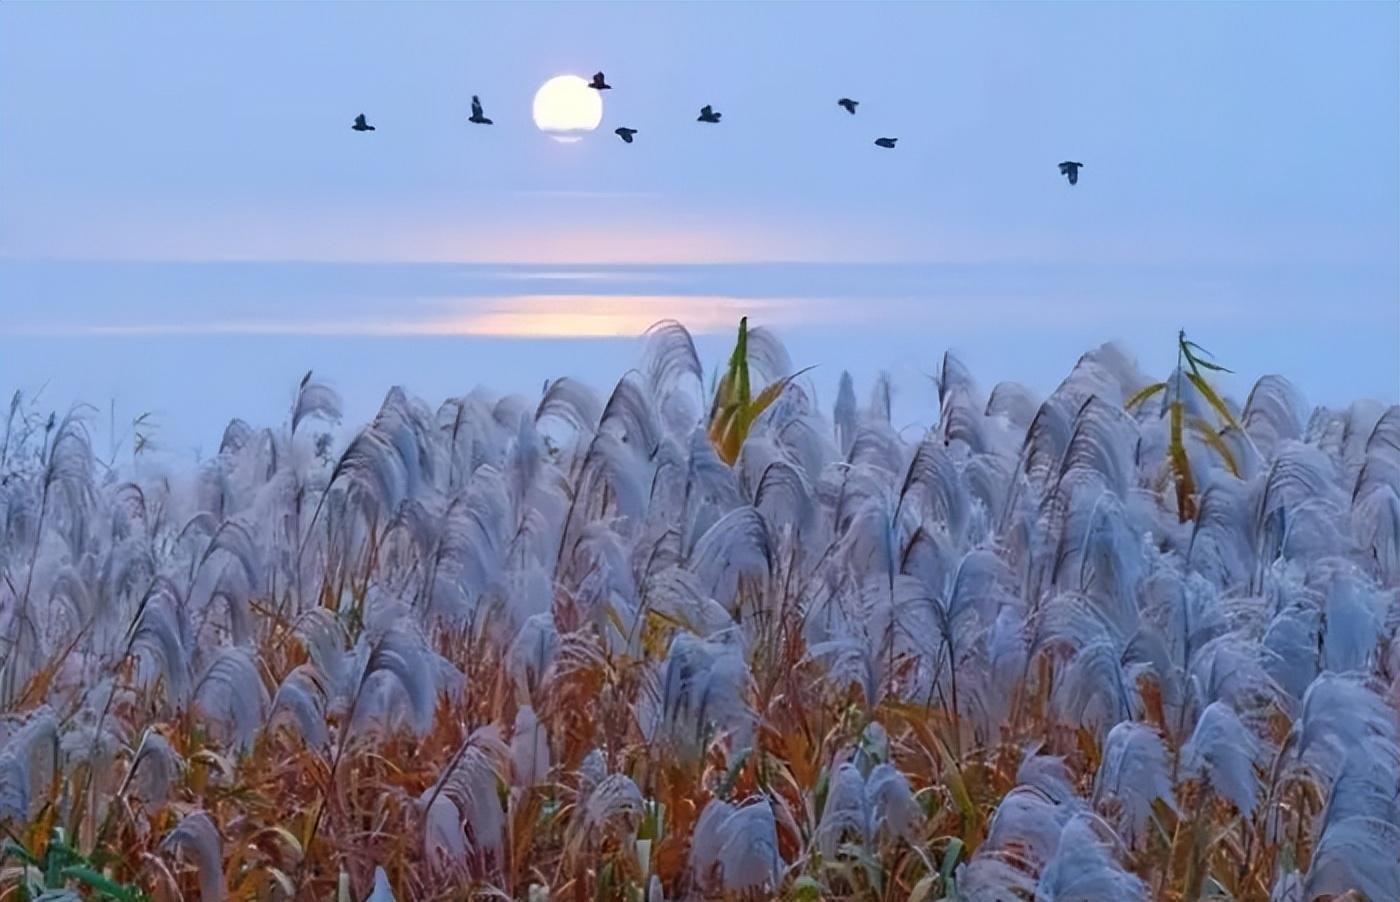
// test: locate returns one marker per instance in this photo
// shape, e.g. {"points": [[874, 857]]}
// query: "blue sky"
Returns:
{"points": [[1242, 162]]}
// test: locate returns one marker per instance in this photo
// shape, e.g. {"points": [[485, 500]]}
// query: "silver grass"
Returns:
{"points": [[846, 813], [444, 841], [155, 767], [1010, 530], [28, 758], [157, 639], [614, 807], [380, 892], [1014, 403], [1292, 644], [1366, 785], [401, 653], [1353, 624], [734, 849], [894, 810], [1341, 712], [301, 702], [232, 695], [1086, 868], [844, 415], [1134, 774], [1224, 751], [1273, 412], [988, 878], [736, 546], [669, 356], [1288, 887], [530, 654], [470, 783], [768, 358], [529, 748], [315, 399], [198, 837], [1025, 828], [1049, 775], [630, 417], [1357, 853], [705, 687]]}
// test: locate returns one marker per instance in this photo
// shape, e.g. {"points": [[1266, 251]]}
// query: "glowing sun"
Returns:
{"points": [[566, 108]]}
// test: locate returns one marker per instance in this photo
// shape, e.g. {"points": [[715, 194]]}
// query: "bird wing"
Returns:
{"points": [[706, 111], [1065, 168], [598, 77], [476, 106], [360, 119]]}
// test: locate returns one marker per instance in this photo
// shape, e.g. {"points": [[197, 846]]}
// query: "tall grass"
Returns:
{"points": [[646, 645]]}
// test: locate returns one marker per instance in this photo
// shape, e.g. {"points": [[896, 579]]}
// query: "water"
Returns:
{"points": [[196, 344]]}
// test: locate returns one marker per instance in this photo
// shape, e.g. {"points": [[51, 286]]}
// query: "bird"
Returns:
{"points": [[476, 116], [707, 114], [625, 133], [361, 125], [599, 83], [885, 142], [1070, 170], [849, 104]]}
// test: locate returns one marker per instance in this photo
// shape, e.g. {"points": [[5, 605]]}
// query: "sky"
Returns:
{"points": [[187, 222]]}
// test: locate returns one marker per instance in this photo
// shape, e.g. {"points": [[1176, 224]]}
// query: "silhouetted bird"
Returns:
{"points": [[599, 83], [707, 115], [849, 104], [885, 142], [476, 116], [361, 125], [1070, 170], [625, 133]]}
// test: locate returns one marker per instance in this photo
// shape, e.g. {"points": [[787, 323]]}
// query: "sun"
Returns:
{"points": [[566, 108]]}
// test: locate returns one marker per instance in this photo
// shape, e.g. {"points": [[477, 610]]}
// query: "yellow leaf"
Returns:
{"points": [[923, 890], [1181, 467], [1209, 394], [1143, 394], [1216, 443]]}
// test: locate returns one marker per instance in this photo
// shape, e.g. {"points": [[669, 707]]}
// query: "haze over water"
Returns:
{"points": [[160, 181]]}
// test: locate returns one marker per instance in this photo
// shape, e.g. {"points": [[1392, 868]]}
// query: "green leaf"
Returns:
{"points": [[805, 888], [1206, 364], [1144, 394], [1187, 346], [13, 848], [734, 408], [950, 859], [101, 884]]}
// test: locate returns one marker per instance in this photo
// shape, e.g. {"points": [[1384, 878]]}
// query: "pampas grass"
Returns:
{"points": [[636, 644]]}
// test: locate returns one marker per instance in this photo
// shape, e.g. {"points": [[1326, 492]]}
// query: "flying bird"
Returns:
{"points": [[361, 125], [885, 142], [476, 115], [599, 83], [1070, 170], [707, 114], [849, 104], [625, 133]]}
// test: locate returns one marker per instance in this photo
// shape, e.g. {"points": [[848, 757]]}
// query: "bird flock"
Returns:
{"points": [[708, 114]]}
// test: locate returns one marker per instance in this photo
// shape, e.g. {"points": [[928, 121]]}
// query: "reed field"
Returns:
{"points": [[696, 635]]}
